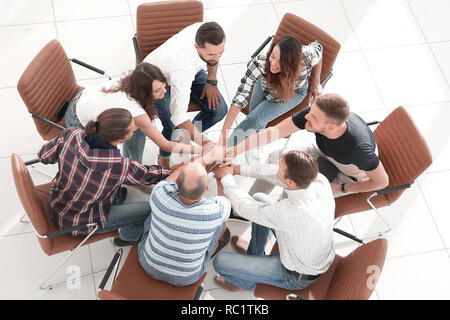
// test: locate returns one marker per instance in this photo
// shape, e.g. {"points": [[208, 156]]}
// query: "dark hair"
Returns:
{"points": [[209, 32], [291, 63], [334, 106], [301, 167], [111, 125], [196, 192], [138, 85]]}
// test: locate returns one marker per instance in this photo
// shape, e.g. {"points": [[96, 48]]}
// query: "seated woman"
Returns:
{"points": [[91, 170], [135, 92], [280, 82]]}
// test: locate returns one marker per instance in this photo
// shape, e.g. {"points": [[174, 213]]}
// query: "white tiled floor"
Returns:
{"points": [[394, 52]]}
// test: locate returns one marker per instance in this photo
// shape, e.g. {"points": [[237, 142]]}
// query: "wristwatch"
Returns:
{"points": [[343, 188], [213, 82]]}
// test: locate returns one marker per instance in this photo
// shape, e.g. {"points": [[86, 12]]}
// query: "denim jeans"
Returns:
{"points": [[262, 111], [129, 218], [246, 271], [204, 120], [175, 280], [71, 118]]}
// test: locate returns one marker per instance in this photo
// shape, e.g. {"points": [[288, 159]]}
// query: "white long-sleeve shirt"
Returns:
{"points": [[303, 219], [179, 63]]}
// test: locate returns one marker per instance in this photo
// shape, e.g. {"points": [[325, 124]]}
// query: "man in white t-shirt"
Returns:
{"points": [[182, 60]]}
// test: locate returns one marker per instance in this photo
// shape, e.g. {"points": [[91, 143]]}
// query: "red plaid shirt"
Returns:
{"points": [[88, 178]]}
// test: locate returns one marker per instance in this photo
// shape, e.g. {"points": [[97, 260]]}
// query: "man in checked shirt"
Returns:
{"points": [[302, 221], [91, 170]]}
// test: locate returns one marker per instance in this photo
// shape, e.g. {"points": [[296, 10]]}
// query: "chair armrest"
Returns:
{"points": [[68, 230], [261, 46], [384, 191], [88, 66], [110, 268], [46, 121], [136, 50], [371, 123]]}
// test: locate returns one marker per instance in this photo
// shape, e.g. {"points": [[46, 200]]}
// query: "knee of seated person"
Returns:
{"points": [[220, 260]]}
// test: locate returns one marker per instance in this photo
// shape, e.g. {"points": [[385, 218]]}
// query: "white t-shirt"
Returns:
{"points": [[94, 101], [179, 62]]}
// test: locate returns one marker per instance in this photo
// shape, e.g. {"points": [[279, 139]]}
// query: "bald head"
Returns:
{"points": [[192, 181]]}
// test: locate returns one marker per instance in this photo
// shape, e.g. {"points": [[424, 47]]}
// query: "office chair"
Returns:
{"points": [[353, 277], [133, 283], [47, 85], [405, 156], [34, 200], [156, 22], [306, 33]]}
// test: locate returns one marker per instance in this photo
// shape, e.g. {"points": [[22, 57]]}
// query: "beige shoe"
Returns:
{"points": [[224, 284], [239, 244]]}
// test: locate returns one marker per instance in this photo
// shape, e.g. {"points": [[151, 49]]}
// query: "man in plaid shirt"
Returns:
{"points": [[90, 172]]}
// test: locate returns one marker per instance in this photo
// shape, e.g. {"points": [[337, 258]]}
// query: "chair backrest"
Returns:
{"points": [[306, 33], [158, 21], [356, 274], [134, 283], [348, 278], [34, 200], [46, 84], [405, 155]]}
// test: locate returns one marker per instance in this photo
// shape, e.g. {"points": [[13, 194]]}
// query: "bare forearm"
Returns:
{"points": [[194, 134], [365, 186], [231, 116]]}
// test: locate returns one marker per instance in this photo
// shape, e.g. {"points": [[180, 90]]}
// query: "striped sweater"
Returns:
{"points": [[179, 235]]}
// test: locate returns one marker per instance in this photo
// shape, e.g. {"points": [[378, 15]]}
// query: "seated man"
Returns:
{"points": [[183, 229], [343, 142], [91, 170], [302, 222]]}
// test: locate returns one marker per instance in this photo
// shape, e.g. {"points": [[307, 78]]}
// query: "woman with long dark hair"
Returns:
{"points": [[280, 82], [91, 170], [135, 92]]}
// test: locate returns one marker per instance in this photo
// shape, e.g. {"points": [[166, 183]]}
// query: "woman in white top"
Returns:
{"points": [[135, 92]]}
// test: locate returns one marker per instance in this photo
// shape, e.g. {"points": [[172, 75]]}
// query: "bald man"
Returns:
{"points": [[181, 234]]}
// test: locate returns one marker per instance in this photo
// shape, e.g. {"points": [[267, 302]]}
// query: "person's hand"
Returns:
{"points": [[208, 146], [335, 187], [212, 94], [315, 89], [222, 171]]}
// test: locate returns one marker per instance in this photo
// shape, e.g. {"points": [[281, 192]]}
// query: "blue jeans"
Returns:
{"points": [[71, 118], [129, 218], [262, 111], [204, 120], [175, 280], [246, 271]]}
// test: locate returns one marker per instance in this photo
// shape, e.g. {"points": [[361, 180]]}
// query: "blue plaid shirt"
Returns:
{"points": [[89, 175]]}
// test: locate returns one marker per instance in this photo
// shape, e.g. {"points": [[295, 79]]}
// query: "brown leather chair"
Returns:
{"points": [[405, 156], [305, 32], [133, 283], [46, 84], [348, 278], [35, 202], [156, 22]]}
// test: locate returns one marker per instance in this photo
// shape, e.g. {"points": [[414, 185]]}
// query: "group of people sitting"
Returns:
{"points": [[179, 230]]}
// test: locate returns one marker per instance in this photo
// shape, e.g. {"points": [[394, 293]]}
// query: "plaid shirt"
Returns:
{"points": [[256, 69], [88, 178]]}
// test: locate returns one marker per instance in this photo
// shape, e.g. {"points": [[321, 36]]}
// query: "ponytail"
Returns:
{"points": [[111, 125]]}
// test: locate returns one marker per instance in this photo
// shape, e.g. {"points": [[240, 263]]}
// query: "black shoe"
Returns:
{"points": [[223, 241], [232, 216], [122, 243]]}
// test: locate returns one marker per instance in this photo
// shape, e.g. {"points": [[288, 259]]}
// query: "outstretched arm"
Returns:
{"points": [[144, 123]]}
